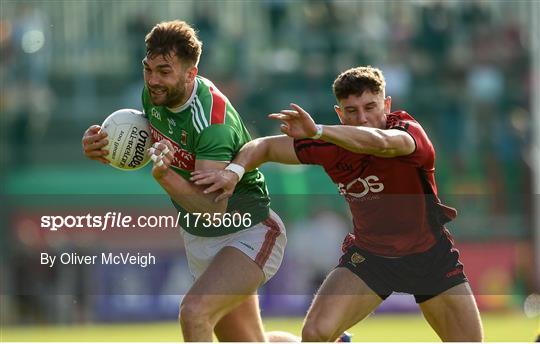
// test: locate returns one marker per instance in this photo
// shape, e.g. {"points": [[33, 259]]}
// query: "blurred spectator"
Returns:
{"points": [[137, 26], [27, 99]]}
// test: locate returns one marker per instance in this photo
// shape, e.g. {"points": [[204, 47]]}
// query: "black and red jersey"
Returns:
{"points": [[393, 201]]}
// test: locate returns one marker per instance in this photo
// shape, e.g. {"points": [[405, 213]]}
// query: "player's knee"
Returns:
{"points": [[464, 337], [317, 331], [194, 311], [473, 332], [477, 335]]}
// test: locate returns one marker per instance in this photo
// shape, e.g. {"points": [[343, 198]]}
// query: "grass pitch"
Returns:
{"points": [[506, 327]]}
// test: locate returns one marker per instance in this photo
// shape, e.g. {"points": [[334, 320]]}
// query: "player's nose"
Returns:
{"points": [[361, 118], [151, 80]]}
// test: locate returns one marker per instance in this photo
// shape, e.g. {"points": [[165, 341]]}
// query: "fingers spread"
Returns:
{"points": [[213, 188], [290, 113], [205, 180], [298, 108], [198, 175], [281, 117]]}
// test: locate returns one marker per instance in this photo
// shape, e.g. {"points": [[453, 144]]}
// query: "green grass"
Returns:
{"points": [[506, 327]]}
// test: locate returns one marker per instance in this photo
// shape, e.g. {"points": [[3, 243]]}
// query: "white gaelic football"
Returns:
{"points": [[129, 139]]}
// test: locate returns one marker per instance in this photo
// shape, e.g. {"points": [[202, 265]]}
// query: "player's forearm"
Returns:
{"points": [[358, 139], [253, 154], [189, 196], [278, 148]]}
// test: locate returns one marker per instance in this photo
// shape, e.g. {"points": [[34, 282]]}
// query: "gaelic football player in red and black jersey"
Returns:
{"points": [[383, 163]]}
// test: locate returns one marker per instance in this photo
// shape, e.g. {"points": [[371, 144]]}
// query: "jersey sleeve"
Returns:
{"points": [[218, 142], [314, 152], [424, 153]]}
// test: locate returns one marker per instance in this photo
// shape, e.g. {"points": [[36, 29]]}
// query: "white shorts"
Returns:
{"points": [[264, 243]]}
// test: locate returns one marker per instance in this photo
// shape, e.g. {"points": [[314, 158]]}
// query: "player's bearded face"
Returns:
{"points": [[367, 110], [166, 79]]}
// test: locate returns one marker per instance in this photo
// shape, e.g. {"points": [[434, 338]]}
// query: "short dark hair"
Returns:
{"points": [[174, 38], [357, 80]]}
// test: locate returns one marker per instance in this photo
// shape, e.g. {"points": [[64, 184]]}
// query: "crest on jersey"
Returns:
{"points": [[357, 258], [183, 138]]}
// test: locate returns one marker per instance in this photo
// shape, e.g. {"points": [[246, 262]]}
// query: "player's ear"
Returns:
{"points": [[339, 113], [387, 104], [192, 73]]}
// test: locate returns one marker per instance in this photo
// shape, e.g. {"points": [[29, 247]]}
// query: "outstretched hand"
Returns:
{"points": [[297, 123], [217, 179]]}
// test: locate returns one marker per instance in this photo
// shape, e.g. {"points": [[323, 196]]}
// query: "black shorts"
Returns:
{"points": [[424, 275]]}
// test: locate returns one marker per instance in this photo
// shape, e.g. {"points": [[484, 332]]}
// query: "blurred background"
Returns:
{"points": [[466, 70]]}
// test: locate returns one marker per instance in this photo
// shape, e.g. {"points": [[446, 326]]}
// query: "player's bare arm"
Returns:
{"points": [[388, 143], [253, 154], [93, 142], [278, 148], [191, 197]]}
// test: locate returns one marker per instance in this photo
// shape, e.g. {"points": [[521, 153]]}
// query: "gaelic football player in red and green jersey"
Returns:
{"points": [[383, 163], [194, 126]]}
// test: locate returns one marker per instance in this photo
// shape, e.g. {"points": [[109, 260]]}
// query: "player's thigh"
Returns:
{"points": [[454, 314], [342, 301], [242, 324], [228, 280]]}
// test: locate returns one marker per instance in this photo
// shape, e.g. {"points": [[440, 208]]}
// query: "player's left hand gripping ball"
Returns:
{"points": [[161, 154]]}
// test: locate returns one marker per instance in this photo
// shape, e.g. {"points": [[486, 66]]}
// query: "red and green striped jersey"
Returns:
{"points": [[207, 127]]}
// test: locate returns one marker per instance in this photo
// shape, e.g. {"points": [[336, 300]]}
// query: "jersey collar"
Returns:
{"points": [[186, 104]]}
